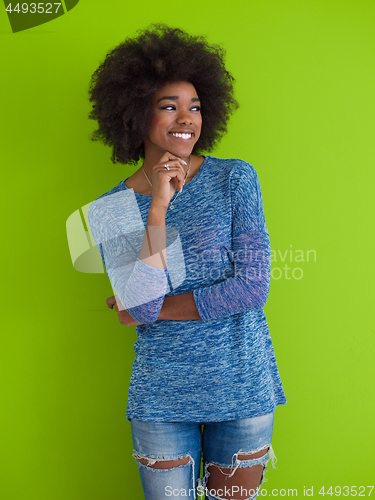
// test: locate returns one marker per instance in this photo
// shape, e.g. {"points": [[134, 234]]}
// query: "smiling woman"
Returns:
{"points": [[124, 85], [175, 127], [172, 238]]}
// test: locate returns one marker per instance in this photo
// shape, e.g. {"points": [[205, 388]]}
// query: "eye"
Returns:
{"points": [[196, 108], [169, 107]]}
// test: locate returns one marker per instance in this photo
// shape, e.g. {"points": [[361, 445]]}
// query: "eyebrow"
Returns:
{"points": [[175, 98]]}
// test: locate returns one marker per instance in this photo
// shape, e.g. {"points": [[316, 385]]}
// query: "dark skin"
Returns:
{"points": [[176, 110]]}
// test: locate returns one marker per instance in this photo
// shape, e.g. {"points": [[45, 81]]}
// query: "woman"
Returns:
{"points": [[185, 245]]}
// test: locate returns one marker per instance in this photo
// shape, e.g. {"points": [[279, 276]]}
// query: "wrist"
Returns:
{"points": [[162, 315], [157, 210], [179, 308]]}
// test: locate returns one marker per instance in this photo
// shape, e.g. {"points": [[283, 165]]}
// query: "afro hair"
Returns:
{"points": [[122, 88]]}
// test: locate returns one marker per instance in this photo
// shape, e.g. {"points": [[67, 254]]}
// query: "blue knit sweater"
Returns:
{"points": [[222, 367]]}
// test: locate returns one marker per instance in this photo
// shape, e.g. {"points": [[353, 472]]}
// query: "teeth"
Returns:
{"points": [[183, 136]]}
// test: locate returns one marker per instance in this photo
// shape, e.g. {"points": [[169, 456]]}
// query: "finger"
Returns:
{"points": [[171, 165], [174, 171], [167, 156], [111, 301]]}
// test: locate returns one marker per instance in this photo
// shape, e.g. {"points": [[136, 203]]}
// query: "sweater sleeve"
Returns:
{"points": [[249, 287], [141, 288]]}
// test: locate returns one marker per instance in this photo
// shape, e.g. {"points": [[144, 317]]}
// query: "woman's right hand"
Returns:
{"points": [[164, 181], [123, 315]]}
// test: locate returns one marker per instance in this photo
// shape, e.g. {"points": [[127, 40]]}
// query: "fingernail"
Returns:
{"points": [[184, 162]]}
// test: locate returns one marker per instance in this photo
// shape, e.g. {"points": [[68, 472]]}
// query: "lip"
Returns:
{"points": [[182, 131]]}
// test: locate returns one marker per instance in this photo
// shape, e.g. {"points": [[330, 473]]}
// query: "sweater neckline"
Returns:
{"points": [[196, 176]]}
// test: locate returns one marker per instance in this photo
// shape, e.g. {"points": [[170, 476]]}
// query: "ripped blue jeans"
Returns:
{"points": [[219, 442]]}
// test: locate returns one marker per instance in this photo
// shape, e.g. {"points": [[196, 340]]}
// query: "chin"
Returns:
{"points": [[182, 152]]}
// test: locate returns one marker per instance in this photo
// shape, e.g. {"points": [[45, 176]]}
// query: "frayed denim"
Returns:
{"points": [[221, 444]]}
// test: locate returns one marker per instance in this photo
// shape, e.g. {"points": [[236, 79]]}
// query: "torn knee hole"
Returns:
{"points": [[227, 478], [245, 464], [163, 464], [242, 455]]}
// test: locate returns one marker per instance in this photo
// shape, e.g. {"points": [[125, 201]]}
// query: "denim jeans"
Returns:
{"points": [[220, 443]]}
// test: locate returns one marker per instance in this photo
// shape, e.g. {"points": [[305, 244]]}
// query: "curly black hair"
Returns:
{"points": [[123, 86]]}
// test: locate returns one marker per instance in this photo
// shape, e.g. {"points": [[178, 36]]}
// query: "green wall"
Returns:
{"points": [[305, 81]]}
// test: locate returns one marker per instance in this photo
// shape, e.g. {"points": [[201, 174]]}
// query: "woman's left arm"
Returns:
{"points": [[248, 288]]}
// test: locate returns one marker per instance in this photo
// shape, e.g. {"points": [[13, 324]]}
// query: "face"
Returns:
{"points": [[176, 121]]}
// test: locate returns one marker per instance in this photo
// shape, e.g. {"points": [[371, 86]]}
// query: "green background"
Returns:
{"points": [[305, 81]]}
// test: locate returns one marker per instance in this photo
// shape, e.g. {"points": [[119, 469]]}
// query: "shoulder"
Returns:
{"points": [[242, 180], [235, 173], [233, 166], [117, 189]]}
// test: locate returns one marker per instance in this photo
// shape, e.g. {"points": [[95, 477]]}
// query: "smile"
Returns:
{"points": [[184, 136]]}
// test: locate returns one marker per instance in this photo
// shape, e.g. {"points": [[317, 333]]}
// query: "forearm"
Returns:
{"points": [[146, 288], [153, 251], [248, 288], [179, 308], [140, 281]]}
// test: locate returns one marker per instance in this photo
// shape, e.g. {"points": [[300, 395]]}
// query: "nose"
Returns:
{"points": [[184, 118]]}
